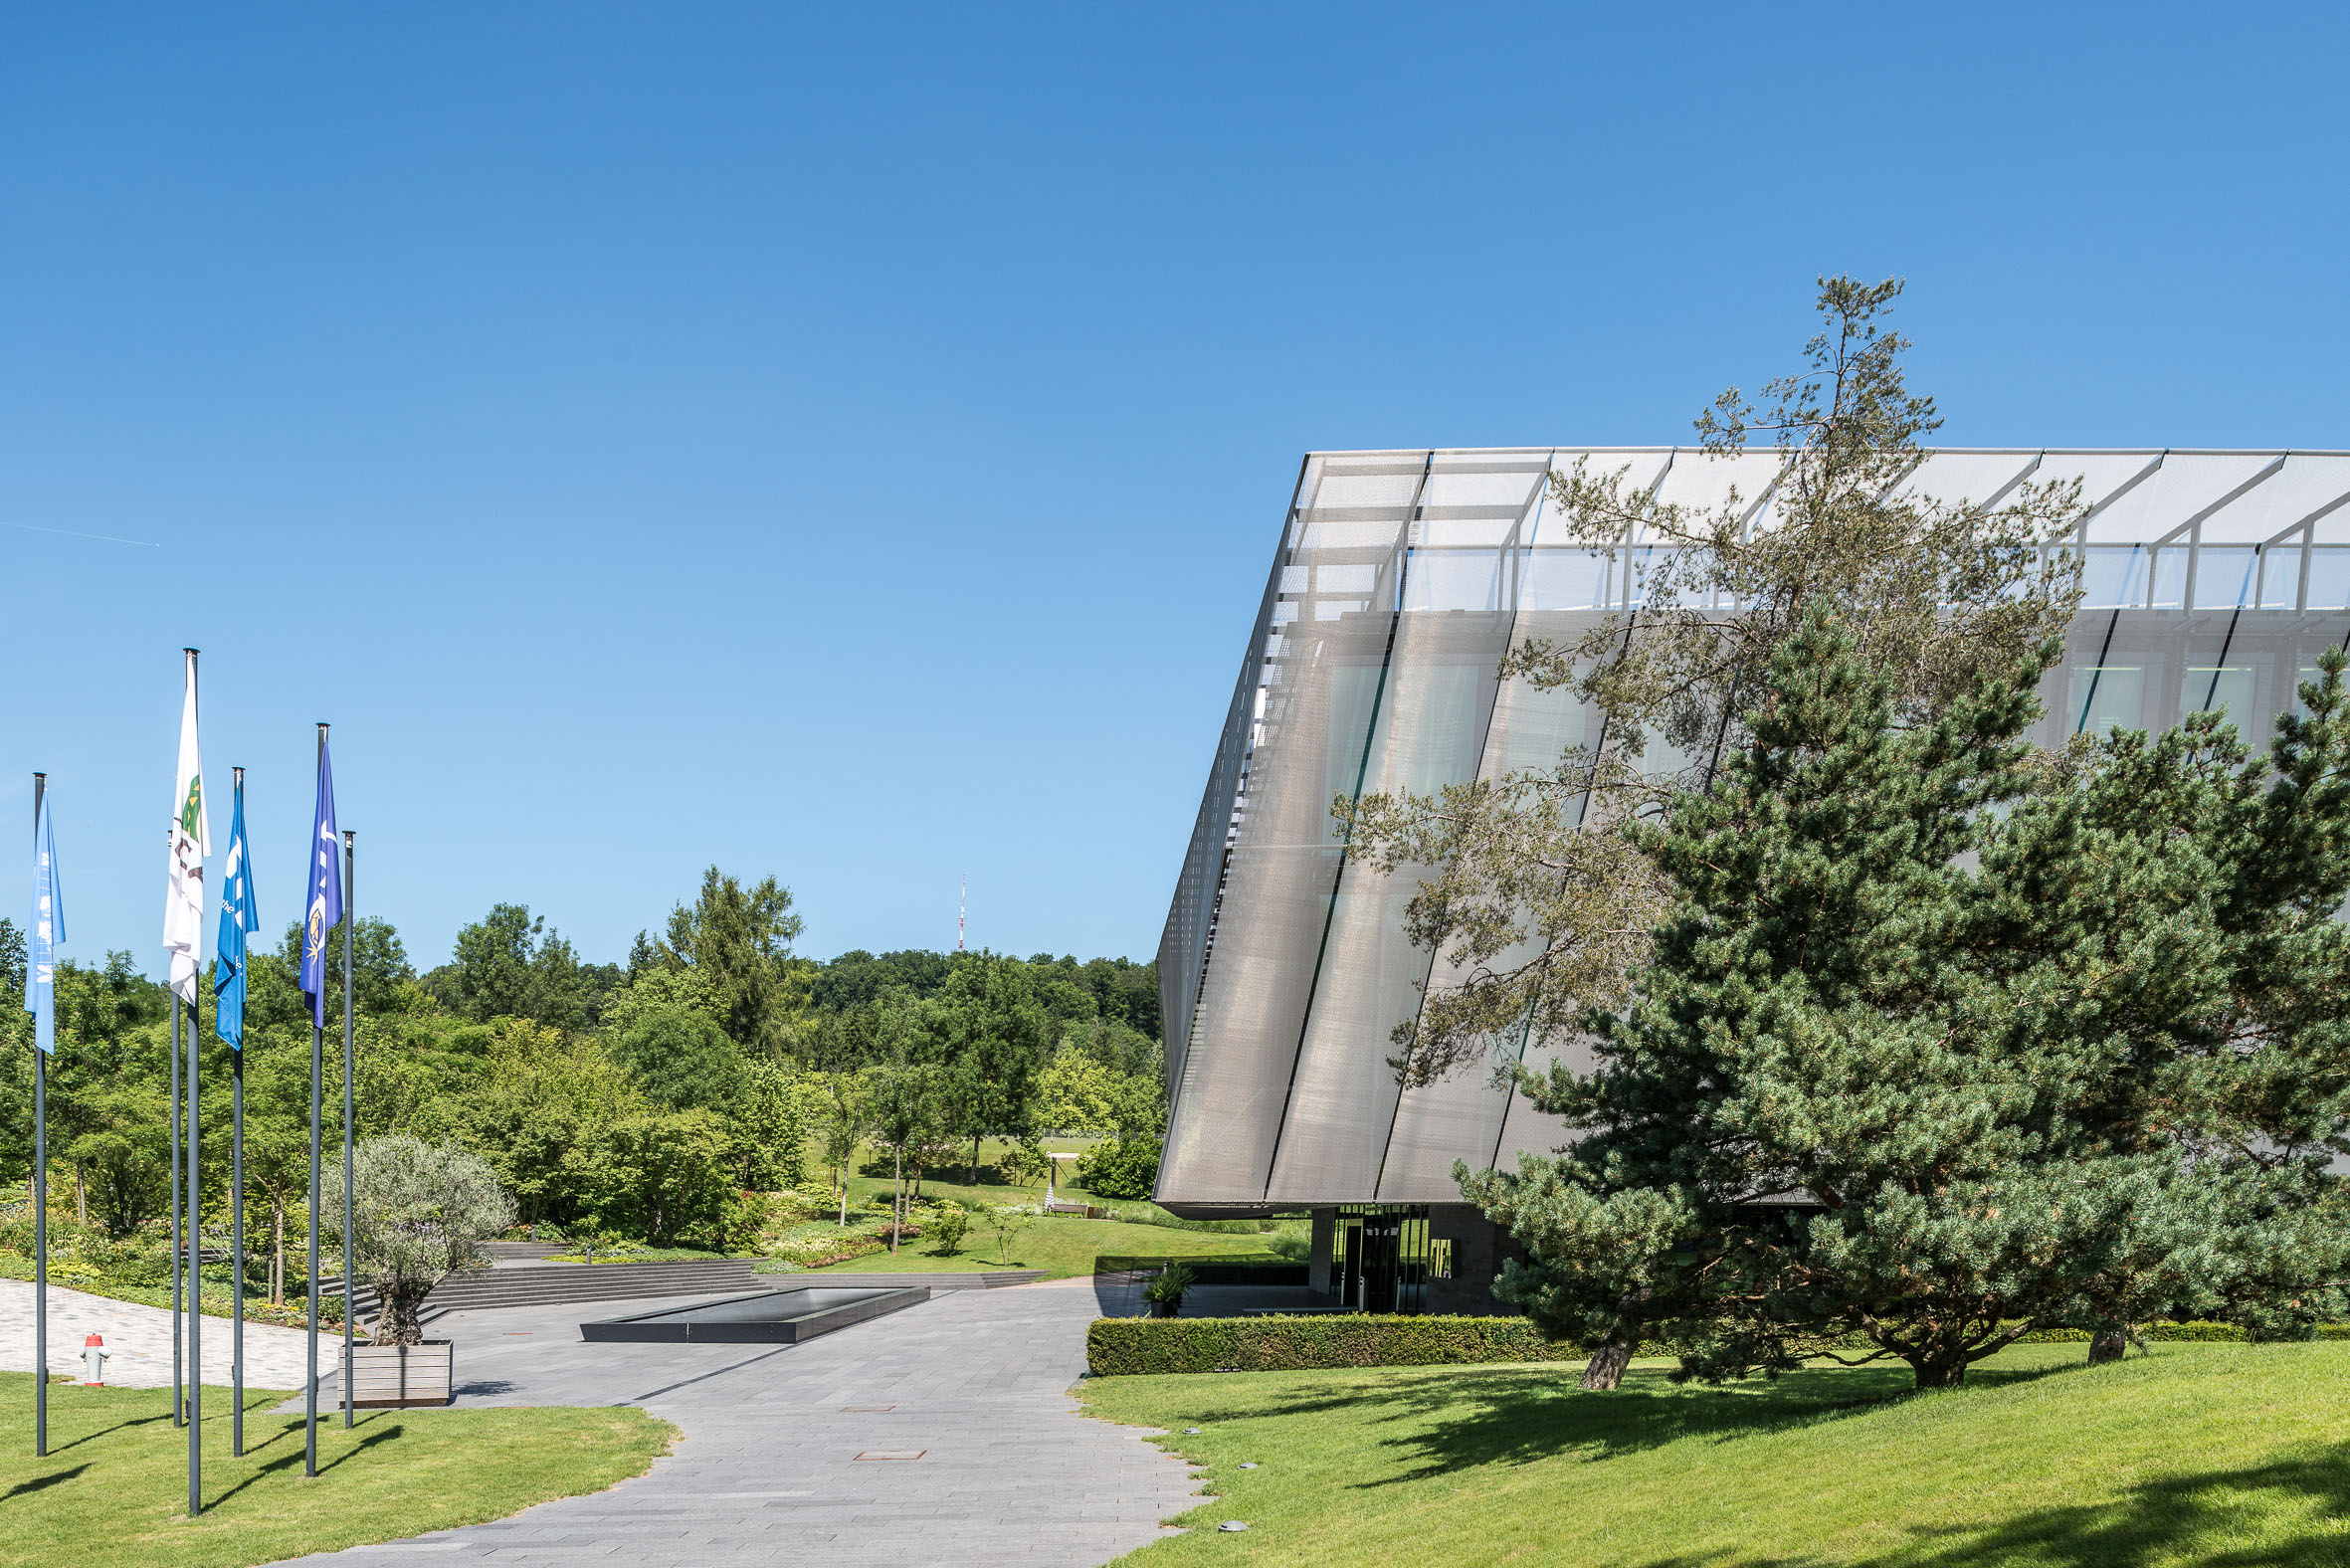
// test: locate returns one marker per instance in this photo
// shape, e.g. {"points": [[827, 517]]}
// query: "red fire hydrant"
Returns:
{"points": [[95, 1359]]}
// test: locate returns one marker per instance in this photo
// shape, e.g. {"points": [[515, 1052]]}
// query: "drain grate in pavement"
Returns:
{"points": [[893, 1454], [865, 1410]]}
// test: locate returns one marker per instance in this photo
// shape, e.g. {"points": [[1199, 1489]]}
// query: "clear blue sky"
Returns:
{"points": [[848, 442]]}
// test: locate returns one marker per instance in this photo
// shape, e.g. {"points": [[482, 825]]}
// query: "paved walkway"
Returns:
{"points": [[138, 1340], [768, 1470]]}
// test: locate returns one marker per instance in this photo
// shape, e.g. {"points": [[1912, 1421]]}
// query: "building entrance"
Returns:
{"points": [[1380, 1257]]}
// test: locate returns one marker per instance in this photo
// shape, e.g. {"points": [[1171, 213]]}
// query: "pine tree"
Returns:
{"points": [[1943, 1043]]}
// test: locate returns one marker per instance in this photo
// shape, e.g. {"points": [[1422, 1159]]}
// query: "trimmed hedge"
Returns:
{"points": [[1117, 1347], [1127, 1345], [2196, 1332]]}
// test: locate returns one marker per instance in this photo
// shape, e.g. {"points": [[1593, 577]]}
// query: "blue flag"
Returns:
{"points": [[324, 912], [236, 916], [48, 930]]}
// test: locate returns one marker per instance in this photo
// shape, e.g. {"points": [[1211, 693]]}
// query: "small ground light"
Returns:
{"points": [[1248, 1465], [1231, 1528], [1191, 1432]]}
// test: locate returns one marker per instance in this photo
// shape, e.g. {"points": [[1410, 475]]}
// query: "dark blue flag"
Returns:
{"points": [[324, 909], [238, 917]]}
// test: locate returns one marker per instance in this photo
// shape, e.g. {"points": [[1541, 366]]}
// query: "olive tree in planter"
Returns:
{"points": [[420, 1212]]}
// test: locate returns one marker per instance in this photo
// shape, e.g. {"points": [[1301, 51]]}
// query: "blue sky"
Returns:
{"points": [[846, 443]]}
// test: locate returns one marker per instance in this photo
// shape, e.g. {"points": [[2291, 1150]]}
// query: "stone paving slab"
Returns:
{"points": [[138, 1340], [1011, 1474]]}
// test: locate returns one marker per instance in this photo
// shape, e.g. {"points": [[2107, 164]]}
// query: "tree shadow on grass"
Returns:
{"points": [[41, 1483], [1458, 1420], [2210, 1518]]}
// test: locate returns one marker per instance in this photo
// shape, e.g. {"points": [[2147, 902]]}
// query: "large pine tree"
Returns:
{"points": [[1944, 1040]]}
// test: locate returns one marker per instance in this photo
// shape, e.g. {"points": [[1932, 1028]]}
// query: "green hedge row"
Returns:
{"points": [[1131, 1345], [2197, 1332], [1119, 1345]]}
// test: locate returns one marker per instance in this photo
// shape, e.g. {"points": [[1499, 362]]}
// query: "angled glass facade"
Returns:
{"points": [[2213, 580]]}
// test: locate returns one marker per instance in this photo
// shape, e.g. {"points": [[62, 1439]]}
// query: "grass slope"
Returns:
{"points": [[2219, 1455], [114, 1489], [1061, 1244]]}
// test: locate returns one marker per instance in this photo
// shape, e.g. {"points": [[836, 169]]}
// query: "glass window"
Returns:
{"points": [[2104, 695], [2280, 576], [2112, 576], [2329, 576], [1452, 579], [2224, 576], [2170, 578], [1566, 579], [2224, 688]]}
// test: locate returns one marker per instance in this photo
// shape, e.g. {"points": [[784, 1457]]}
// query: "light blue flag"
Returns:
{"points": [[237, 915], [47, 933]]}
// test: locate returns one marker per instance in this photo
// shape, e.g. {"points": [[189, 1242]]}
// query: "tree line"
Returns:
{"points": [[651, 1099]]}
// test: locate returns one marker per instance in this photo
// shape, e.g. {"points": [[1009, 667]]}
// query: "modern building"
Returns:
{"points": [[2213, 579]]}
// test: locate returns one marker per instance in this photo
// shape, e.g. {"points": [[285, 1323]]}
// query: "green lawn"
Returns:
{"points": [[2223, 1456], [114, 1488], [870, 1176], [1061, 1244]]}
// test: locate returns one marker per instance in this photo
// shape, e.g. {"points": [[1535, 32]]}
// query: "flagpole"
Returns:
{"points": [[40, 1183], [348, 1285], [179, 1328], [195, 1256], [236, 1202], [309, 1459]]}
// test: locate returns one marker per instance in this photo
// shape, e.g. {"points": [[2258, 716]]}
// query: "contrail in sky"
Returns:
{"points": [[72, 534]]}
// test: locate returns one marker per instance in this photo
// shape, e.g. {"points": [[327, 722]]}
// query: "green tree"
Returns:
{"points": [[380, 971], [1941, 1046], [683, 1060], [770, 1132], [994, 1037], [508, 964], [901, 1096], [1541, 902], [843, 1117], [664, 1176], [121, 1155], [419, 1214], [738, 940], [541, 1100]]}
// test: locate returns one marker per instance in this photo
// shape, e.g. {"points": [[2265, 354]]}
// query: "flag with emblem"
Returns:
{"points": [[323, 912], [184, 903]]}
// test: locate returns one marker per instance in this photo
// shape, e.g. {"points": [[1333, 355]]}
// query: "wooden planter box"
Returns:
{"points": [[387, 1376]]}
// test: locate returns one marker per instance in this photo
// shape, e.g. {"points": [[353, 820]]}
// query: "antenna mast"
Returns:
{"points": [[962, 903]]}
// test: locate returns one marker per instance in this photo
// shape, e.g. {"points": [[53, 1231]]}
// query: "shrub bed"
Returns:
{"points": [[1127, 1345]]}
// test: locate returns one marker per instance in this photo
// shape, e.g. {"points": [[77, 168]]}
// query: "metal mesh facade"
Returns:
{"points": [[2213, 579]]}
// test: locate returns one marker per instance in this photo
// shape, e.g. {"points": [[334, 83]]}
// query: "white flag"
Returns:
{"points": [[184, 906]]}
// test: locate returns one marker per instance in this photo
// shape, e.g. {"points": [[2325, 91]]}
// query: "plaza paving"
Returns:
{"points": [[138, 1340], [975, 1382]]}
